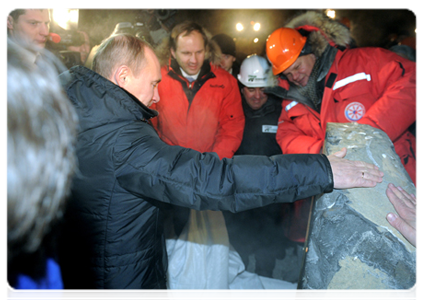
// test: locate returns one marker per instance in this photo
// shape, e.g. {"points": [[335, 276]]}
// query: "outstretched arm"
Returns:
{"points": [[405, 219]]}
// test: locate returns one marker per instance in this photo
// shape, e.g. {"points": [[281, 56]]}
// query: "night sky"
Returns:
{"points": [[369, 27]]}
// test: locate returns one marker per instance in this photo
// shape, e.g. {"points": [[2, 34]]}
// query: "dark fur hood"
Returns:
{"points": [[334, 31]]}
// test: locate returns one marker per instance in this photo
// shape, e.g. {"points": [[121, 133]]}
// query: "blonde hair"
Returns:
{"points": [[117, 50]]}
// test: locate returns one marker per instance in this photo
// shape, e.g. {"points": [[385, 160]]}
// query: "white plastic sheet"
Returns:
{"points": [[202, 258]]}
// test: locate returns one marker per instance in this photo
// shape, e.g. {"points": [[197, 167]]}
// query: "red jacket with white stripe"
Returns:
{"points": [[370, 86]]}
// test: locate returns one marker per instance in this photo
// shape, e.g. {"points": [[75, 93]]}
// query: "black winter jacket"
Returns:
{"points": [[114, 228], [260, 128]]}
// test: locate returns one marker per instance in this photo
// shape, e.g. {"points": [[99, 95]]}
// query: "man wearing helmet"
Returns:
{"points": [[261, 110], [255, 232], [332, 83]]}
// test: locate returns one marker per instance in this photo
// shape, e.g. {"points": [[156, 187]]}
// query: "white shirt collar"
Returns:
{"points": [[186, 75]]}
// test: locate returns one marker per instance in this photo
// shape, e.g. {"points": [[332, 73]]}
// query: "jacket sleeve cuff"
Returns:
{"points": [[329, 173]]}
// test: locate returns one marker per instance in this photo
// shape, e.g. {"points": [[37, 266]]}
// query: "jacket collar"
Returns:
{"points": [[98, 100], [205, 68], [268, 107]]}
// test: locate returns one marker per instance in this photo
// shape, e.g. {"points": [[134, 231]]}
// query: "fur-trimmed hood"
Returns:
{"points": [[334, 31]]}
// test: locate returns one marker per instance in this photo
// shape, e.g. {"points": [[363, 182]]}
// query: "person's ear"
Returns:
{"points": [[9, 22], [122, 76], [172, 52]]}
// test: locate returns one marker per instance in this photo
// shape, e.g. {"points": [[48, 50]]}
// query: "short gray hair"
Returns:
{"points": [[117, 50]]}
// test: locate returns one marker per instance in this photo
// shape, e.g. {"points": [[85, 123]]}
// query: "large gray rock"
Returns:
{"points": [[351, 245]]}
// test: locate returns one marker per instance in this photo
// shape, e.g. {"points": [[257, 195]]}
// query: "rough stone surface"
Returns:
{"points": [[351, 245]]}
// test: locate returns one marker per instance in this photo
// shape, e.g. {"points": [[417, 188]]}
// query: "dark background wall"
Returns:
{"points": [[369, 27]]}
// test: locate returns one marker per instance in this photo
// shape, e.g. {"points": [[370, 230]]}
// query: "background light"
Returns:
{"points": [[66, 18], [256, 26], [330, 13], [239, 27]]}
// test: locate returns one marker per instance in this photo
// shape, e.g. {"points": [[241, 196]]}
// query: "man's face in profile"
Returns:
{"points": [[144, 86]]}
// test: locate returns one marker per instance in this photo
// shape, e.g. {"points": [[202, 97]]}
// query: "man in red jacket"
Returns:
{"points": [[200, 108], [331, 83], [200, 105], [325, 81]]}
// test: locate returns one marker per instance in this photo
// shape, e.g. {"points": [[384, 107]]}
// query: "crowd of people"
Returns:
{"points": [[181, 142]]}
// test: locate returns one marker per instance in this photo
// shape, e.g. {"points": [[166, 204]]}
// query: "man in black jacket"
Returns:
{"points": [[113, 235], [261, 110], [258, 231]]}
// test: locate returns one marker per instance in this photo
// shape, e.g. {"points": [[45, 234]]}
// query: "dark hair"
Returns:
{"points": [[185, 29], [212, 50], [15, 14], [404, 51], [226, 43]]}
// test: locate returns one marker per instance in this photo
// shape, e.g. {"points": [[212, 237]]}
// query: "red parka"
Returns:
{"points": [[205, 115], [370, 86]]}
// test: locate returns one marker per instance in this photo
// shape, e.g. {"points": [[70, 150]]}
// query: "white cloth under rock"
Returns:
{"points": [[202, 258]]}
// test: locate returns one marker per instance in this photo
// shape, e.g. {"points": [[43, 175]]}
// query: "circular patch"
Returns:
{"points": [[355, 111]]}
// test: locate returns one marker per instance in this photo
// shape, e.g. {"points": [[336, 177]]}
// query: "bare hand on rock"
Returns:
{"points": [[405, 205], [352, 174]]}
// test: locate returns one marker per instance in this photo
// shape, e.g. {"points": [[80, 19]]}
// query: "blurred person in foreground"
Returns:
{"points": [[41, 136], [114, 234]]}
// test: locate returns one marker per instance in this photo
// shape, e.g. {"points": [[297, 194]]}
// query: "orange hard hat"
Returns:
{"points": [[283, 47]]}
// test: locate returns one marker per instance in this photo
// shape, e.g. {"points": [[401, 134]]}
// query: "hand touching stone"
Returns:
{"points": [[352, 174], [405, 206]]}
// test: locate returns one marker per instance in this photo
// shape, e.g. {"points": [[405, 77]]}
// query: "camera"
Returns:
{"points": [[150, 25]]}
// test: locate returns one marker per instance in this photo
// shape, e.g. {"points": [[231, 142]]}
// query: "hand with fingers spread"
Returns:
{"points": [[352, 174], [405, 206]]}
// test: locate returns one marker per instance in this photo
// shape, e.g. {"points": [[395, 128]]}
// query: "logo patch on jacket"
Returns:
{"points": [[355, 111], [269, 128], [217, 86]]}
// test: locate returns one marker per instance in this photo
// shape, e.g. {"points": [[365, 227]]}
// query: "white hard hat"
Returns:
{"points": [[254, 71]]}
